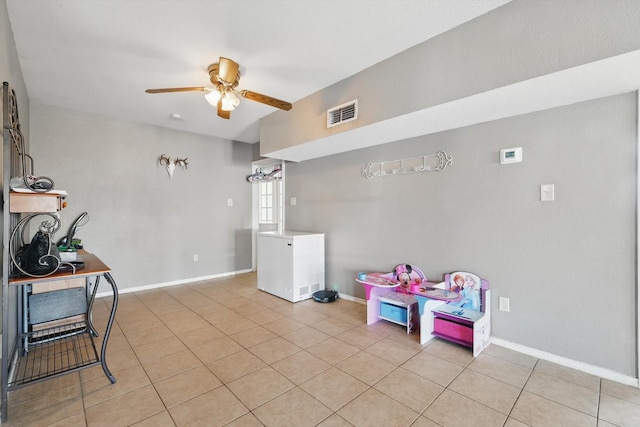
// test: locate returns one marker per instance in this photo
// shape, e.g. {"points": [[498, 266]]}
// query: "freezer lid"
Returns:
{"points": [[288, 234]]}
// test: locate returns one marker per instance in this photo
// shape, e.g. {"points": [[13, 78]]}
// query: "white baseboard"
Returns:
{"points": [[539, 354], [354, 299], [569, 363], [172, 283]]}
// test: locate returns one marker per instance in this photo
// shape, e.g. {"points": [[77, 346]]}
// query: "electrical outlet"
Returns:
{"points": [[504, 304], [195, 257], [293, 201], [229, 202]]}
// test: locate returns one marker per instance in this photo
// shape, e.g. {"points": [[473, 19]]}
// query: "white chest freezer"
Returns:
{"points": [[290, 264]]}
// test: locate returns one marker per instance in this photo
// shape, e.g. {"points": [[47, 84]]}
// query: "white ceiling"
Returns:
{"points": [[99, 56]]}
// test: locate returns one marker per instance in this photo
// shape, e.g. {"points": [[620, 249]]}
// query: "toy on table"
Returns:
{"points": [[409, 277], [403, 273], [415, 285]]}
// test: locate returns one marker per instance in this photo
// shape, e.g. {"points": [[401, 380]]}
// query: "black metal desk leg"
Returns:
{"points": [[114, 306], [91, 300]]}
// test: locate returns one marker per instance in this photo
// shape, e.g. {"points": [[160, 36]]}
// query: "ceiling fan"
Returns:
{"points": [[225, 76]]}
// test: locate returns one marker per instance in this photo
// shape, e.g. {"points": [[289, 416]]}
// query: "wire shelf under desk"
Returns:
{"points": [[50, 352]]}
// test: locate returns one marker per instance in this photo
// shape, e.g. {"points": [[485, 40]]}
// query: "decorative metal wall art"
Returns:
{"points": [[429, 163]]}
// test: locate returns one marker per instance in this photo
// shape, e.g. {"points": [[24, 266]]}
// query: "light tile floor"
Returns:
{"points": [[222, 353]]}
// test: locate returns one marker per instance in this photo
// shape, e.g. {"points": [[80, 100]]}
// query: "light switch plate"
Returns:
{"points": [[547, 193], [292, 201]]}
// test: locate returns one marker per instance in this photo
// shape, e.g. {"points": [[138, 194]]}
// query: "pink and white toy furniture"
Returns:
{"points": [[468, 320], [457, 310], [388, 296]]}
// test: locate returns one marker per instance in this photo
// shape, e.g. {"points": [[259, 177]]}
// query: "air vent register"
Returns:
{"points": [[344, 113]]}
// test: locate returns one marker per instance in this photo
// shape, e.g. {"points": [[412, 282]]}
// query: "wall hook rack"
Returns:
{"points": [[259, 175], [431, 162]]}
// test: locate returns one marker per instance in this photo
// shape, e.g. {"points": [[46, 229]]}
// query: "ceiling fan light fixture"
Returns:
{"points": [[229, 101], [227, 104], [212, 97], [233, 98], [225, 77]]}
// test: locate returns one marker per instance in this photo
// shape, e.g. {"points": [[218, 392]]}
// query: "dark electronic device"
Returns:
{"points": [[325, 296]]}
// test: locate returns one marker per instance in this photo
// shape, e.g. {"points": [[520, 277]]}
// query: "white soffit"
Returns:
{"points": [[611, 76]]}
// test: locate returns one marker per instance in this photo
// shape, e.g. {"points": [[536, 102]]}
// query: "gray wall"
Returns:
{"points": [[10, 68], [567, 266], [10, 72], [145, 226], [517, 42]]}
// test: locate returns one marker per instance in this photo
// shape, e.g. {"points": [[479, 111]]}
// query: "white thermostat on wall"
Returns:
{"points": [[510, 155]]}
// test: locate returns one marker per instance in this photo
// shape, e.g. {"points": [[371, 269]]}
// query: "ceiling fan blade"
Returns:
{"points": [[178, 89], [222, 113], [264, 99], [228, 71]]}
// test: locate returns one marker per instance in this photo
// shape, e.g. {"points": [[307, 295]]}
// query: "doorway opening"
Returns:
{"points": [[268, 200]]}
